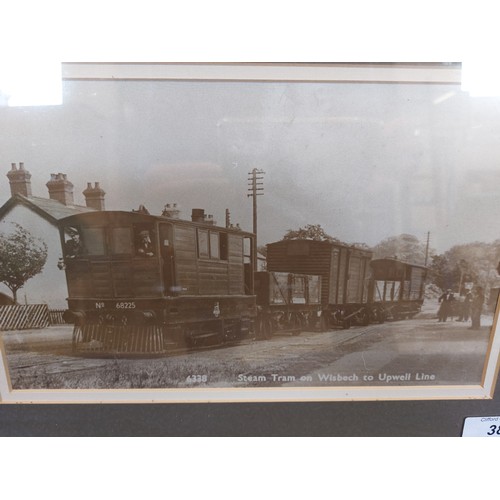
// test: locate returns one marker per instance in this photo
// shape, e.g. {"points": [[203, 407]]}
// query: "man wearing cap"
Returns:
{"points": [[145, 247], [74, 246], [477, 307]]}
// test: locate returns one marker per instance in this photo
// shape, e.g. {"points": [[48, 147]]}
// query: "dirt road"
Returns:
{"points": [[412, 352]]}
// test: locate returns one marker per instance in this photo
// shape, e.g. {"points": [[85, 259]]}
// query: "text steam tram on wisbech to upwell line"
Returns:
{"points": [[146, 284]]}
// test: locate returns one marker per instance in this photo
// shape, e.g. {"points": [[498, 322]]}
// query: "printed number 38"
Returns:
{"points": [[494, 429]]}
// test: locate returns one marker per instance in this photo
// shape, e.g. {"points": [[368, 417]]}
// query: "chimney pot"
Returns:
{"points": [[94, 196], [60, 189], [19, 180]]}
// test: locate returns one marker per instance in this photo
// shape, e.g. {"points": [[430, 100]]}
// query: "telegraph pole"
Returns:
{"points": [[427, 248], [255, 188]]}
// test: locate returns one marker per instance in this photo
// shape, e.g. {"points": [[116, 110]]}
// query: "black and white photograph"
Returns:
{"points": [[251, 232]]}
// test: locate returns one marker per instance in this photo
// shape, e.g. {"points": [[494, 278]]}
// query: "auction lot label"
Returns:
{"points": [[481, 427]]}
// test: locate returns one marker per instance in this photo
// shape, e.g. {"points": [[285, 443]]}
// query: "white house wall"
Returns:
{"points": [[48, 287]]}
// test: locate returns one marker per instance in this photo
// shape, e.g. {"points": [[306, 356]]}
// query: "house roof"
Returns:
{"points": [[50, 210]]}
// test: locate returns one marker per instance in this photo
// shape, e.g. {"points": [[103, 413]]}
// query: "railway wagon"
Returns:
{"points": [[397, 288], [344, 273], [140, 283], [287, 302]]}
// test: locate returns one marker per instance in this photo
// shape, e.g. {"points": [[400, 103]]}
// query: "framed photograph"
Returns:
{"points": [[178, 233]]}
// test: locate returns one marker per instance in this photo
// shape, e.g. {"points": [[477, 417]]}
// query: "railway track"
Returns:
{"points": [[33, 362], [50, 363]]}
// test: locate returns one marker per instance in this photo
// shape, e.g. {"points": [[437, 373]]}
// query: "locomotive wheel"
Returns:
{"points": [[232, 331]]}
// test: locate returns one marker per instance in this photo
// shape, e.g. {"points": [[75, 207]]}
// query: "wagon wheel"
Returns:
{"points": [[364, 317], [323, 322], [265, 327], [269, 328], [297, 323], [380, 315], [313, 321]]}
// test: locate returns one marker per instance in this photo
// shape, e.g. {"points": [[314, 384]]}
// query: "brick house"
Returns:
{"points": [[40, 216]]}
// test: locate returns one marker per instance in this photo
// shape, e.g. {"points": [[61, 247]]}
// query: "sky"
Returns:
{"points": [[366, 161]]}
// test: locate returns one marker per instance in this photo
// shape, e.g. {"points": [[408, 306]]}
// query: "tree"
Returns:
{"points": [[442, 273], [22, 256], [404, 247], [310, 232], [464, 264]]}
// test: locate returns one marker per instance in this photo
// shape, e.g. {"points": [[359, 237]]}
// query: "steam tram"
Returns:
{"points": [[145, 284], [139, 283]]}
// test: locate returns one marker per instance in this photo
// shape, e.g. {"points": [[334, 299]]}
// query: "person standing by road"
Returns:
{"points": [[446, 301], [464, 306], [477, 307]]}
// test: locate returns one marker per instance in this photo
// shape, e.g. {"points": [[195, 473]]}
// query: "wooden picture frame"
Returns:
{"points": [[283, 120]]}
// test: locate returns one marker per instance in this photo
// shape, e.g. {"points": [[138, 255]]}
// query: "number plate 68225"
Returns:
{"points": [[125, 305]]}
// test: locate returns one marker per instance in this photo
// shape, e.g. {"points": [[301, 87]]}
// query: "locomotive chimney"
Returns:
{"points": [[94, 196], [198, 215], [19, 180], [60, 189], [171, 211], [209, 219]]}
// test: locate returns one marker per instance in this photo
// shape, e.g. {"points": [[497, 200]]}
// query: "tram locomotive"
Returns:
{"points": [[140, 283], [146, 284]]}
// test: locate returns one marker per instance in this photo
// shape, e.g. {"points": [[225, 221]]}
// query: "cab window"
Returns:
{"points": [[212, 245], [93, 240], [145, 241], [73, 243], [121, 240], [203, 245]]}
